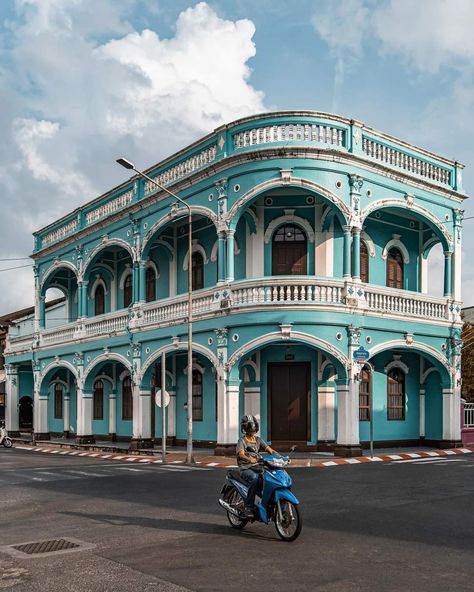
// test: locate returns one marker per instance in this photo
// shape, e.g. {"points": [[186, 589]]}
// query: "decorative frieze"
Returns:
{"points": [[110, 207]]}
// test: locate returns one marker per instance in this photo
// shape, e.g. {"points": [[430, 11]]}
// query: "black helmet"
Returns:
{"points": [[249, 423]]}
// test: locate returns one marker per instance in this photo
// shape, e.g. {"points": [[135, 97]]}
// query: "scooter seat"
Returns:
{"points": [[236, 476]]}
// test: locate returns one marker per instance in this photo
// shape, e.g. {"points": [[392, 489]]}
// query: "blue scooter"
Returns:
{"points": [[277, 502]]}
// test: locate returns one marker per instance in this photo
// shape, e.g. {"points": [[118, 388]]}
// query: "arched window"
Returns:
{"points": [[289, 251], [98, 400], [127, 290], [58, 401], [99, 300], [150, 280], [198, 271], [197, 395], [127, 399], [364, 263], [395, 269], [396, 394], [364, 395]]}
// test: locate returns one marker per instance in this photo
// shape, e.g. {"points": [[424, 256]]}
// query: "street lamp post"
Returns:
{"points": [[189, 411]]}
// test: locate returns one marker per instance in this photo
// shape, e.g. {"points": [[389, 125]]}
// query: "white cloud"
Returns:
{"points": [[77, 91]]}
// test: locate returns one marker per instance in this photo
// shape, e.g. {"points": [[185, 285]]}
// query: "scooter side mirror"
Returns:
{"points": [[293, 448]]}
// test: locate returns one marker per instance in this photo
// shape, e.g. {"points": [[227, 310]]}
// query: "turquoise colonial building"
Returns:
{"points": [[311, 234]]}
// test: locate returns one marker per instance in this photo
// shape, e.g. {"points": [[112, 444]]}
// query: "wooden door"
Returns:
{"points": [[289, 252], [288, 401]]}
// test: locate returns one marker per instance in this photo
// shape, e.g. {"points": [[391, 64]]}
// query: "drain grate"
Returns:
{"points": [[46, 546]]}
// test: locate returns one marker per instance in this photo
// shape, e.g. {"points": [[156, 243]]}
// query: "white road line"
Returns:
{"points": [[352, 461], [432, 453], [329, 463], [176, 462], [211, 464], [465, 450], [394, 456], [413, 455], [23, 448], [144, 460], [131, 469], [374, 458], [426, 460], [86, 473], [64, 452]]}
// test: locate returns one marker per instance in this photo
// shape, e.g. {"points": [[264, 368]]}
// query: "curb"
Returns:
{"points": [[308, 463]]}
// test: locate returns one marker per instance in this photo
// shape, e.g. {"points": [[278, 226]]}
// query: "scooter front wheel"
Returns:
{"points": [[237, 502], [287, 520], [7, 443]]}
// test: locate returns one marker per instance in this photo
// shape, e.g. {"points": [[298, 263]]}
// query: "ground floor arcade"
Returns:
{"points": [[301, 393]]}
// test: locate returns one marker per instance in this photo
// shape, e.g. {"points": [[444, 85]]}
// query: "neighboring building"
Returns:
{"points": [[17, 324], [310, 241], [468, 314]]}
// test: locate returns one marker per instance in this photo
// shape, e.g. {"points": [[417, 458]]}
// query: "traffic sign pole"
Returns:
{"points": [[163, 407]]}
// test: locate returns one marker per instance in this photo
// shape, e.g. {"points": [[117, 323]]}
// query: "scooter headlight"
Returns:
{"points": [[277, 463]]}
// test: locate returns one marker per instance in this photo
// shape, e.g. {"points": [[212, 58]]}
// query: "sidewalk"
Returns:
{"points": [[203, 456]]}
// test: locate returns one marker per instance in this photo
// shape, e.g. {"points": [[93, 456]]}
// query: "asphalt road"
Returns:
{"points": [[376, 527]]}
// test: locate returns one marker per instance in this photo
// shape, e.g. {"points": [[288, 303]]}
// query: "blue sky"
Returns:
{"points": [[82, 81]]}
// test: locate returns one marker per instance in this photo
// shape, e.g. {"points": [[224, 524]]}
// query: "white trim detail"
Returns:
{"points": [[109, 356], [99, 281], [54, 365], [397, 203], [152, 264], [174, 347], [195, 366], [369, 243], [396, 363], [196, 248], [426, 373], [216, 247], [55, 267], [124, 374], [103, 245], [176, 214], [278, 336], [396, 242], [125, 273], [289, 218]]}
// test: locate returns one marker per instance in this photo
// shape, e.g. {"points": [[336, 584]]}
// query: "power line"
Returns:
{"points": [[17, 267], [15, 259]]}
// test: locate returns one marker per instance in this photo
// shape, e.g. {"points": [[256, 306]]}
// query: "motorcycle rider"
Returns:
{"points": [[248, 448]]}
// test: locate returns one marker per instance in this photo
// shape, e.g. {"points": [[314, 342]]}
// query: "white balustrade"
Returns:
{"points": [[17, 344], [109, 207], [59, 233], [283, 291], [468, 415], [106, 324], [400, 159], [406, 303], [58, 335], [183, 168], [290, 132]]}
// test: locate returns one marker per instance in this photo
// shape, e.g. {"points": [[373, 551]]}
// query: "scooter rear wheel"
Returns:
{"points": [[7, 443], [237, 502], [288, 525]]}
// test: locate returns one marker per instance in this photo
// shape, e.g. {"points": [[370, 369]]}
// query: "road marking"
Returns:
{"points": [[23, 447], [374, 459], [213, 464]]}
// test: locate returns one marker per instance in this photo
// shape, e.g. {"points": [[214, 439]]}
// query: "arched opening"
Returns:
{"points": [[197, 271], [60, 294], [128, 291], [197, 396], [289, 251], [127, 399], [364, 262], [25, 418], [396, 395], [150, 284], [435, 271], [98, 403], [365, 391], [395, 269], [58, 401], [99, 300]]}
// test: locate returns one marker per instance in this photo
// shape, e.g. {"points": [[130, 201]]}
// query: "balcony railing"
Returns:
{"points": [[292, 292]]}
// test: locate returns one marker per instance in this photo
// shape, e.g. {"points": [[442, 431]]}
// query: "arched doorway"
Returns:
{"points": [[289, 251], [25, 413]]}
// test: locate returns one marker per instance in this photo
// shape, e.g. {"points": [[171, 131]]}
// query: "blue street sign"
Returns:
{"points": [[361, 354]]}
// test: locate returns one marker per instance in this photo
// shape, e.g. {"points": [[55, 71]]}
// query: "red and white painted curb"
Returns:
{"points": [[400, 456], [323, 464]]}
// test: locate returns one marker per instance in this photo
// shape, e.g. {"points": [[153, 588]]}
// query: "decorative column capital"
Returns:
{"points": [[353, 335]]}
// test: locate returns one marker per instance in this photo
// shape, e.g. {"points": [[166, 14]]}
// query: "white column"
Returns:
{"points": [[324, 251], [452, 414], [11, 403], [173, 276], [348, 418], [227, 412], [172, 414], [326, 413], [423, 274], [66, 412], [422, 413], [252, 401], [113, 413], [84, 416], [40, 414], [141, 414]]}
